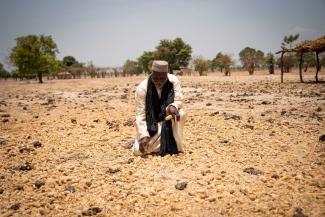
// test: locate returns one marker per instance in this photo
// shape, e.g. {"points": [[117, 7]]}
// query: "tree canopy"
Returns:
{"points": [[176, 52], [201, 65], [70, 61], [251, 58], [145, 60], [34, 55], [131, 67]]}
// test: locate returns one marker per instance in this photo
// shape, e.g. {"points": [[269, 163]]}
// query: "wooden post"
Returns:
{"points": [[317, 66], [282, 53], [300, 66]]}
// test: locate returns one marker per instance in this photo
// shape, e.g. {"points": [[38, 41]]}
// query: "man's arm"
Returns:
{"points": [[177, 91], [140, 103]]}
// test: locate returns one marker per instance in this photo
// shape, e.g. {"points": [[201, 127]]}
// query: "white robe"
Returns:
{"points": [[141, 125]]}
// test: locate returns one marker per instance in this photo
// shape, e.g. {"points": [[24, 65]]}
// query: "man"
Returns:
{"points": [[156, 98]]}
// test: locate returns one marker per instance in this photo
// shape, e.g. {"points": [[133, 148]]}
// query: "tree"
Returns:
{"points": [[250, 58], [269, 60], [3, 72], [288, 40], [131, 67], [289, 60], [226, 62], [200, 64], [322, 61], [176, 52], [34, 55], [216, 62], [309, 60], [91, 69], [146, 60]]}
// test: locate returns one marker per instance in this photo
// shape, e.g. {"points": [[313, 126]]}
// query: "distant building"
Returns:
{"points": [[64, 75]]}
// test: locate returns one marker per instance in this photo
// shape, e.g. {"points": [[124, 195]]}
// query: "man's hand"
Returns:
{"points": [[172, 110], [143, 144]]}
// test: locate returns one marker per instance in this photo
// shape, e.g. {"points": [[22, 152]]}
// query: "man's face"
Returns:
{"points": [[159, 78]]}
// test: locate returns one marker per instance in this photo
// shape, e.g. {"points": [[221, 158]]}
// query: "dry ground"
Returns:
{"points": [[252, 149]]}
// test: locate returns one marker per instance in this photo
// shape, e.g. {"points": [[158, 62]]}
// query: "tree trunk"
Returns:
{"points": [[317, 66], [282, 66], [306, 68], [301, 61], [271, 69], [40, 78]]}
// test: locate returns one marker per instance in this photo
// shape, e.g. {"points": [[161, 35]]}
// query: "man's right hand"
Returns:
{"points": [[143, 144]]}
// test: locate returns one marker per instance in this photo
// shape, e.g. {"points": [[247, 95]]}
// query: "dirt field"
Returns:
{"points": [[252, 149]]}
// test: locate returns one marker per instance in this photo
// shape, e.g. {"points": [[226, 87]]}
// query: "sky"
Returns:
{"points": [[108, 32]]}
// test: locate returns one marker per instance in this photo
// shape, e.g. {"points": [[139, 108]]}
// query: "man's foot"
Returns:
{"points": [[128, 145]]}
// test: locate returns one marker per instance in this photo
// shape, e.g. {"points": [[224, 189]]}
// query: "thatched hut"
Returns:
{"points": [[317, 46]]}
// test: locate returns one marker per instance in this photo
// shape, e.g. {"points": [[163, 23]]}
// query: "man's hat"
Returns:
{"points": [[159, 66]]}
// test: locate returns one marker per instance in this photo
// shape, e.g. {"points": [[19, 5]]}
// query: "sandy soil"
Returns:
{"points": [[252, 149]]}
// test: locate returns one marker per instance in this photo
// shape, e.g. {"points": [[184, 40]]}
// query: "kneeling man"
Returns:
{"points": [[159, 115]]}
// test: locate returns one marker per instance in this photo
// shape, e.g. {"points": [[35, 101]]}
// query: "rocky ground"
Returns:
{"points": [[252, 149]]}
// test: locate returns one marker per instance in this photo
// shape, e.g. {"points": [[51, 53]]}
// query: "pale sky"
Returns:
{"points": [[109, 32]]}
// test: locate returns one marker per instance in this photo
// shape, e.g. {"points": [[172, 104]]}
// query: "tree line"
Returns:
{"points": [[34, 56]]}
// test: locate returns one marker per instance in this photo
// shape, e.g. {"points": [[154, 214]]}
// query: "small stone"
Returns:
{"points": [[181, 185], [25, 167], [252, 171], [70, 189], [23, 149], [113, 170], [275, 176], [204, 173], [92, 211], [265, 102], [224, 141], [3, 141], [299, 213], [5, 115], [322, 138], [15, 206], [319, 109], [25, 107], [39, 183], [5, 120], [209, 104], [231, 191], [249, 126], [130, 160], [88, 184], [283, 112], [37, 144], [74, 121], [1, 190], [20, 188], [214, 114]]}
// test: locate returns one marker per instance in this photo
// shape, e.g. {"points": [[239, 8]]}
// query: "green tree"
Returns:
{"points": [[69, 61], [289, 59], [200, 64], [34, 55], [216, 62], [131, 67], [270, 61], [226, 62], [309, 60], [288, 40], [176, 52], [146, 60], [250, 58]]}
